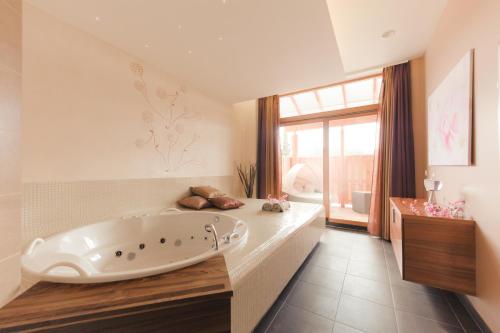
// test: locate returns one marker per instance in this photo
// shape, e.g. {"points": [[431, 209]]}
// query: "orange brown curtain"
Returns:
{"points": [[394, 168], [268, 149]]}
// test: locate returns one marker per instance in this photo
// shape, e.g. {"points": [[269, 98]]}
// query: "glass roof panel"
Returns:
{"points": [[331, 98], [307, 102], [287, 109], [335, 97]]}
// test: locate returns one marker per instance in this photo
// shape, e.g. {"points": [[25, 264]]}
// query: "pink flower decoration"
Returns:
{"points": [[139, 85], [161, 93], [136, 68]]}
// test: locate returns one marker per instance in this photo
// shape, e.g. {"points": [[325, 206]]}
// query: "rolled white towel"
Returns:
{"points": [[267, 207], [285, 205], [277, 208]]}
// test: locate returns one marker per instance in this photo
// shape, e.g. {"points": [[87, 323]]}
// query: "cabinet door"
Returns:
{"points": [[396, 236]]}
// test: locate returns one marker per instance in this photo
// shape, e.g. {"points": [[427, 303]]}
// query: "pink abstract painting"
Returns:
{"points": [[449, 115]]}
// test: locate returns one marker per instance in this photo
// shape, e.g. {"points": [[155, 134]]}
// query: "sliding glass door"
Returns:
{"points": [[331, 162], [350, 168], [327, 145], [302, 162]]}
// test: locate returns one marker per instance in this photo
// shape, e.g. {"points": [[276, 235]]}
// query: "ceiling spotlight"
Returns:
{"points": [[179, 27], [97, 18], [224, 2], [388, 34], [190, 52], [220, 38], [147, 45]]}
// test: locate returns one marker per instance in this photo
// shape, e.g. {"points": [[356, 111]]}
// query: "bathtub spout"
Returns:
{"points": [[211, 228]]}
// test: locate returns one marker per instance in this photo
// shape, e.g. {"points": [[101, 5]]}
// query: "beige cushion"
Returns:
{"points": [[195, 202], [207, 192], [226, 203]]}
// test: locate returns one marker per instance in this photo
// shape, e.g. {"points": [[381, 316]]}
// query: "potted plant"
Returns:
{"points": [[247, 174]]}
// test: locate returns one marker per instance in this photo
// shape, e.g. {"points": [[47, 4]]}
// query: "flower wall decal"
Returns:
{"points": [[164, 119]]}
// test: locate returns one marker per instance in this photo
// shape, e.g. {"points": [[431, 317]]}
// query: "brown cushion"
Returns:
{"points": [[226, 203], [207, 192], [195, 202]]}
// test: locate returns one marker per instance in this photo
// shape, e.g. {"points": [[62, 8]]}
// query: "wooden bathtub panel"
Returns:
{"points": [[184, 297]]}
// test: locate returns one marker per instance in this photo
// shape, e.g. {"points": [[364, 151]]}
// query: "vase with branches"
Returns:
{"points": [[247, 174]]}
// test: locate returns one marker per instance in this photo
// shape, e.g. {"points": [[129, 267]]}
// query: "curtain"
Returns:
{"points": [[394, 164], [403, 151], [268, 149]]}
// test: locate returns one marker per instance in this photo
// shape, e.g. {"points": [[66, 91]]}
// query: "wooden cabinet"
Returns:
{"points": [[193, 299], [434, 251]]}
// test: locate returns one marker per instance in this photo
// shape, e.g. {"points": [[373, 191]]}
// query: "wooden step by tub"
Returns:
{"points": [[193, 299]]}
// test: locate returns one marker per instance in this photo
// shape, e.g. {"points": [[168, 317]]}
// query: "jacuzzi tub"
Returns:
{"points": [[132, 247]]}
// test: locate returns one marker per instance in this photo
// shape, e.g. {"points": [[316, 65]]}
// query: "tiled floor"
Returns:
{"points": [[350, 283]]}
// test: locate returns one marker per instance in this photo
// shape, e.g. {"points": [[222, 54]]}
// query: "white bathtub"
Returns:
{"points": [[132, 247]]}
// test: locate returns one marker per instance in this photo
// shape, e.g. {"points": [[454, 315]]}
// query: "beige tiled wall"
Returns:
{"points": [[54, 207], [10, 129]]}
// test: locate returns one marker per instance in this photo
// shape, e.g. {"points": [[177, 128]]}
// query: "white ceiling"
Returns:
{"points": [[237, 50], [267, 46], [359, 25]]}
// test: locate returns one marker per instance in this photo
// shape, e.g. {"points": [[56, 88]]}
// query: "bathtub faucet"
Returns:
{"points": [[211, 228]]}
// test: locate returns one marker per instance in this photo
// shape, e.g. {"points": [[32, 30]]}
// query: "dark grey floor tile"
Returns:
{"points": [[265, 322], [360, 308], [387, 246], [337, 250], [391, 259], [330, 262], [368, 269], [368, 243], [291, 319], [371, 290], [335, 238], [341, 328], [365, 315], [339, 234], [410, 323], [314, 298], [375, 256], [426, 305], [463, 316], [323, 277]]}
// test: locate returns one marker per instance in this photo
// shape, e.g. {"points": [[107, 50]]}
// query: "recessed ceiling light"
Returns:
{"points": [[179, 27], [388, 34], [190, 52], [97, 18], [224, 2], [220, 38], [147, 45]]}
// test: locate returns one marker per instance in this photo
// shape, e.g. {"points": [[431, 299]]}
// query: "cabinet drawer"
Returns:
{"points": [[397, 236]]}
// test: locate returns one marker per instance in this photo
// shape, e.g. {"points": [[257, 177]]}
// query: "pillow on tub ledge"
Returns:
{"points": [[207, 192], [195, 202], [226, 203]]}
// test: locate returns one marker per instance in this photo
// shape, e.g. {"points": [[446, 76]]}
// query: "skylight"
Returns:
{"points": [[336, 97]]}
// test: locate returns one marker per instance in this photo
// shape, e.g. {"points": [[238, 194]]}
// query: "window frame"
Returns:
{"points": [[324, 118], [331, 114]]}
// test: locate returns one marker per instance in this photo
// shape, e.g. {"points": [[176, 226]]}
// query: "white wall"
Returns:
{"points": [[86, 116], [245, 121], [89, 109], [466, 25], [10, 163]]}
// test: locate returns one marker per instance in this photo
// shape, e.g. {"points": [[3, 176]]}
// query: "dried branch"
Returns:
{"points": [[247, 176]]}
